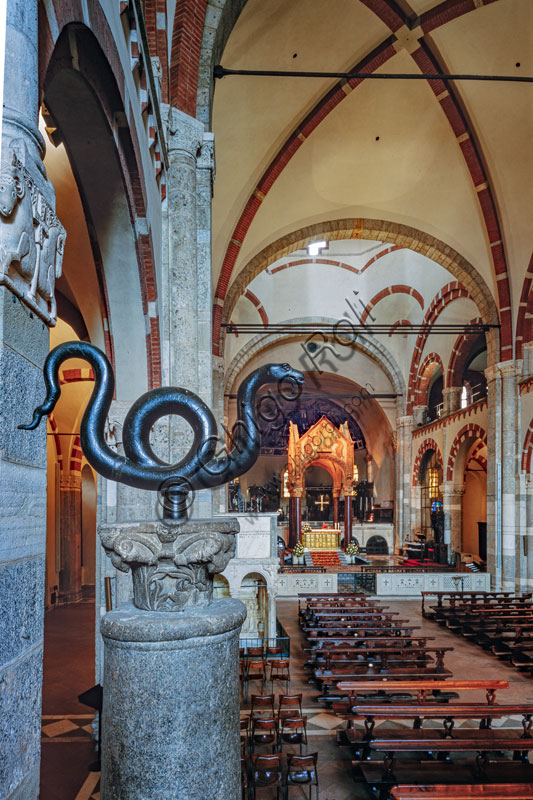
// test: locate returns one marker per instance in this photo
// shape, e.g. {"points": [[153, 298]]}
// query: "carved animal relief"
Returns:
{"points": [[32, 241]]}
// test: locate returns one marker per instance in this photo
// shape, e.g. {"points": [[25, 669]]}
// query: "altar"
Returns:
{"points": [[321, 539]]}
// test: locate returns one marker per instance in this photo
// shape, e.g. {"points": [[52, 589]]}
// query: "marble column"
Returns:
{"points": [[529, 532], [452, 502], [70, 590], [28, 226], [171, 686], [403, 521], [187, 296], [348, 512], [451, 399], [510, 427], [369, 471], [494, 476]]}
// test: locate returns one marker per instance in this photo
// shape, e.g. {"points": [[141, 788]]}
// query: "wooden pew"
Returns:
{"points": [[421, 688], [441, 595], [483, 791]]}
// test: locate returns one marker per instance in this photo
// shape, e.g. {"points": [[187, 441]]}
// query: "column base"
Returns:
{"points": [[170, 723]]}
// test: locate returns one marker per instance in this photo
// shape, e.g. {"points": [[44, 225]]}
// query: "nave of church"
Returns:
{"points": [[265, 334]]}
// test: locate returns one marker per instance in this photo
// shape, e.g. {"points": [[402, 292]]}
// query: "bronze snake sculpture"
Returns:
{"points": [[140, 467]]}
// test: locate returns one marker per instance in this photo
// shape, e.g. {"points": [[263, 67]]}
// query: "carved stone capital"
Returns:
{"points": [[172, 562], [185, 134]]}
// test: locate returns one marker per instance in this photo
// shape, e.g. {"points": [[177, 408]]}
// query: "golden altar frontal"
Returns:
{"points": [[321, 539]]}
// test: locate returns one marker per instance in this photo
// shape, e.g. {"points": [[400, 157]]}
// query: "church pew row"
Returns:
{"points": [[452, 596], [484, 791]]}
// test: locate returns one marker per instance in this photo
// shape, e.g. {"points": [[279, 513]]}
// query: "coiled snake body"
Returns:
{"points": [[140, 467]]}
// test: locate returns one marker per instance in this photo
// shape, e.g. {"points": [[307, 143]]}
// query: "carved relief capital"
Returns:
{"points": [[172, 562]]}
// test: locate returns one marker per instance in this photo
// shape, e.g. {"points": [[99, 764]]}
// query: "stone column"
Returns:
{"points": [[70, 538], [30, 238], [171, 687], [348, 512], [403, 480], [529, 532], [187, 298], [369, 473], [510, 532], [453, 523], [451, 399], [494, 476]]}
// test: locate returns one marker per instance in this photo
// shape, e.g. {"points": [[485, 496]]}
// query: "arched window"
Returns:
{"points": [[430, 479]]}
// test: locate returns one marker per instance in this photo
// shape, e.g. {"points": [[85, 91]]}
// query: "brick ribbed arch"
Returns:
{"points": [[427, 61], [524, 328], [365, 343], [470, 431], [375, 230], [452, 291], [185, 51], [396, 289], [258, 304], [108, 85], [334, 263], [427, 444], [431, 362], [527, 449], [398, 323], [460, 352]]}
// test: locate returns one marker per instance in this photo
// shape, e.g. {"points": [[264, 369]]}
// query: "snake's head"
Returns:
{"points": [[284, 372]]}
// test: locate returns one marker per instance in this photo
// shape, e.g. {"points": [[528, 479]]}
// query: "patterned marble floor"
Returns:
{"points": [[67, 747]]}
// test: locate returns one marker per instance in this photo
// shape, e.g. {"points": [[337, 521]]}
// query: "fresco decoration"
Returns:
{"points": [[304, 413]]}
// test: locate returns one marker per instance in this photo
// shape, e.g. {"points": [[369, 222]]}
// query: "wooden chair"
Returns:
{"points": [[280, 671], [244, 779], [256, 671], [292, 730], [273, 652], [255, 652], [264, 732], [245, 726], [266, 773], [302, 771], [262, 705], [289, 705]]}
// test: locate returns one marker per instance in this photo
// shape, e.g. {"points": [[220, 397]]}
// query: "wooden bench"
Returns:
{"points": [[383, 655], [421, 688], [441, 595], [483, 791], [443, 773]]}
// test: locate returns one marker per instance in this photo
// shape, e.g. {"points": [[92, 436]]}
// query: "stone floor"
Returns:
{"points": [[69, 656]]}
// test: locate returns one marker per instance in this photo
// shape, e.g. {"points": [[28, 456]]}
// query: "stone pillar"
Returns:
{"points": [[453, 517], [70, 538], [171, 686], [29, 230], [494, 475], [529, 532], [369, 472], [451, 399], [187, 298], [348, 513], [403, 520], [510, 427]]}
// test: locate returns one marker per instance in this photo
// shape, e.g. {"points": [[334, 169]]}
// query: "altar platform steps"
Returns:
{"points": [[325, 558]]}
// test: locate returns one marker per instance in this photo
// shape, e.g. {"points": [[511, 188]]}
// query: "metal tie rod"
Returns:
{"points": [[221, 72]]}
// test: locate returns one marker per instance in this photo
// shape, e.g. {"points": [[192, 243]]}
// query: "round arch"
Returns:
{"points": [[85, 106], [377, 230], [427, 444], [366, 344], [431, 363], [470, 431]]}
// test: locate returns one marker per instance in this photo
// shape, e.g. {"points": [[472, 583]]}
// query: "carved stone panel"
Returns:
{"points": [[32, 240]]}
